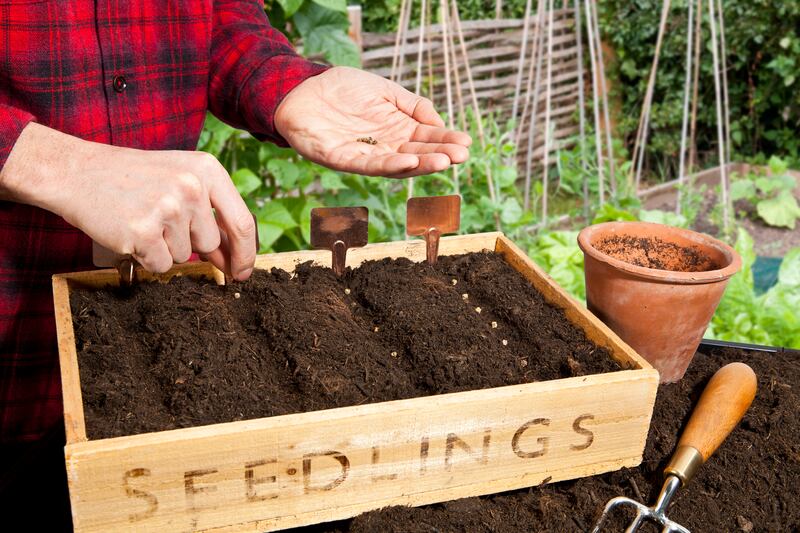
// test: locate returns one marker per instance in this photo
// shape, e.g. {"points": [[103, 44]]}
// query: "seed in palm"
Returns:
{"points": [[368, 140]]}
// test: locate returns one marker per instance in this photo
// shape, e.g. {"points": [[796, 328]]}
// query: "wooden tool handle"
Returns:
{"points": [[722, 405]]}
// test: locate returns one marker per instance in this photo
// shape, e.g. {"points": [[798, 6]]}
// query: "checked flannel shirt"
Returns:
{"points": [[134, 73]]}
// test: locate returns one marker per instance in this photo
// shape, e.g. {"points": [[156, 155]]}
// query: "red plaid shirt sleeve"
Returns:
{"points": [[12, 122], [249, 59], [138, 74]]}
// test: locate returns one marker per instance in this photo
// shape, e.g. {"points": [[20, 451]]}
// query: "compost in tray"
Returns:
{"points": [[189, 353], [749, 485]]}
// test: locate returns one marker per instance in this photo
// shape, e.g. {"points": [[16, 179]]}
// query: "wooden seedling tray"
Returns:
{"points": [[286, 471]]}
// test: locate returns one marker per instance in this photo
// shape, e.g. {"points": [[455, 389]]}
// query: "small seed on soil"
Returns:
{"points": [[523, 363], [505, 342], [454, 281], [347, 291], [464, 296], [376, 329], [394, 354], [494, 324], [478, 310], [237, 295]]}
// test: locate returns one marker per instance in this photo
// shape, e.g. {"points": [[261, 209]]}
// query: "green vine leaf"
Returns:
{"points": [[290, 7]]}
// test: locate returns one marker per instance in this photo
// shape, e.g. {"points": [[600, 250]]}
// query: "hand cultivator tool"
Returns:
{"points": [[724, 402], [337, 229], [433, 216]]}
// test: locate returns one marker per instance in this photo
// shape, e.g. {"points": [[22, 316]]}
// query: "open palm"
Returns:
{"points": [[350, 120]]}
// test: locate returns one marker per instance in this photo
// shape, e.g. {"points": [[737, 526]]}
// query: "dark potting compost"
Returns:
{"points": [[750, 485], [187, 353], [653, 252]]}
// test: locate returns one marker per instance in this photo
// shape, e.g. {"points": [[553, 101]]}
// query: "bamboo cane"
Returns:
{"points": [[686, 89], [475, 106], [718, 95], [604, 93], [536, 45], [581, 109], [418, 86], [548, 95], [400, 32], [448, 89], [698, 30], [724, 63], [534, 116], [644, 119], [596, 104], [522, 55]]}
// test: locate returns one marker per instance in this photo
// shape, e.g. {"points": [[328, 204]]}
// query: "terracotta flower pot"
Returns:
{"points": [[662, 314]]}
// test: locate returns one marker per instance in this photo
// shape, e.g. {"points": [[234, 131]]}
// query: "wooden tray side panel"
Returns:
{"points": [[68, 360], [593, 327], [411, 249], [301, 469]]}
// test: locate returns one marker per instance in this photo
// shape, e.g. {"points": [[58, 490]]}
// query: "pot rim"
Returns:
{"points": [[588, 234]]}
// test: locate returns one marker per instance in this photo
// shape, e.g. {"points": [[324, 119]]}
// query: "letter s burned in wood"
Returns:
{"points": [[152, 501], [576, 426]]}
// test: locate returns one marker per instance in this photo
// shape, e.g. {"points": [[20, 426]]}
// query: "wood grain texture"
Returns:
{"points": [[280, 472], [724, 402]]}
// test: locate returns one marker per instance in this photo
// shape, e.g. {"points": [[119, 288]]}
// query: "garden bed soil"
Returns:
{"points": [[749, 485], [653, 252], [187, 353]]}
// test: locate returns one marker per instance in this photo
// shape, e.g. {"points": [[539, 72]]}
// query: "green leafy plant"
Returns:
{"points": [[771, 195], [557, 252], [321, 24], [771, 318]]}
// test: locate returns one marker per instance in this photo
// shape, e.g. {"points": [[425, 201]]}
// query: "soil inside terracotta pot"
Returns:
{"points": [[653, 252], [750, 484], [189, 353]]}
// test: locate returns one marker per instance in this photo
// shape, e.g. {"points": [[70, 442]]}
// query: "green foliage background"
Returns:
{"points": [[763, 46]]}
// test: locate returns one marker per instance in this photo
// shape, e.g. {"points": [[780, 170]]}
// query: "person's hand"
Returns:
{"points": [[328, 117], [153, 205]]}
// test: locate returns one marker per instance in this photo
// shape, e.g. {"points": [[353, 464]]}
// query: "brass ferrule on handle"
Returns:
{"points": [[685, 463]]}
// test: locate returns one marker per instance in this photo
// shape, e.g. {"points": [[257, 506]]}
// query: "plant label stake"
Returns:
{"points": [[722, 405], [125, 264], [432, 217], [337, 229]]}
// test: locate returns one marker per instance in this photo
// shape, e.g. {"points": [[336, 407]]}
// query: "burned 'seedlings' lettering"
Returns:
{"points": [[261, 477]]}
